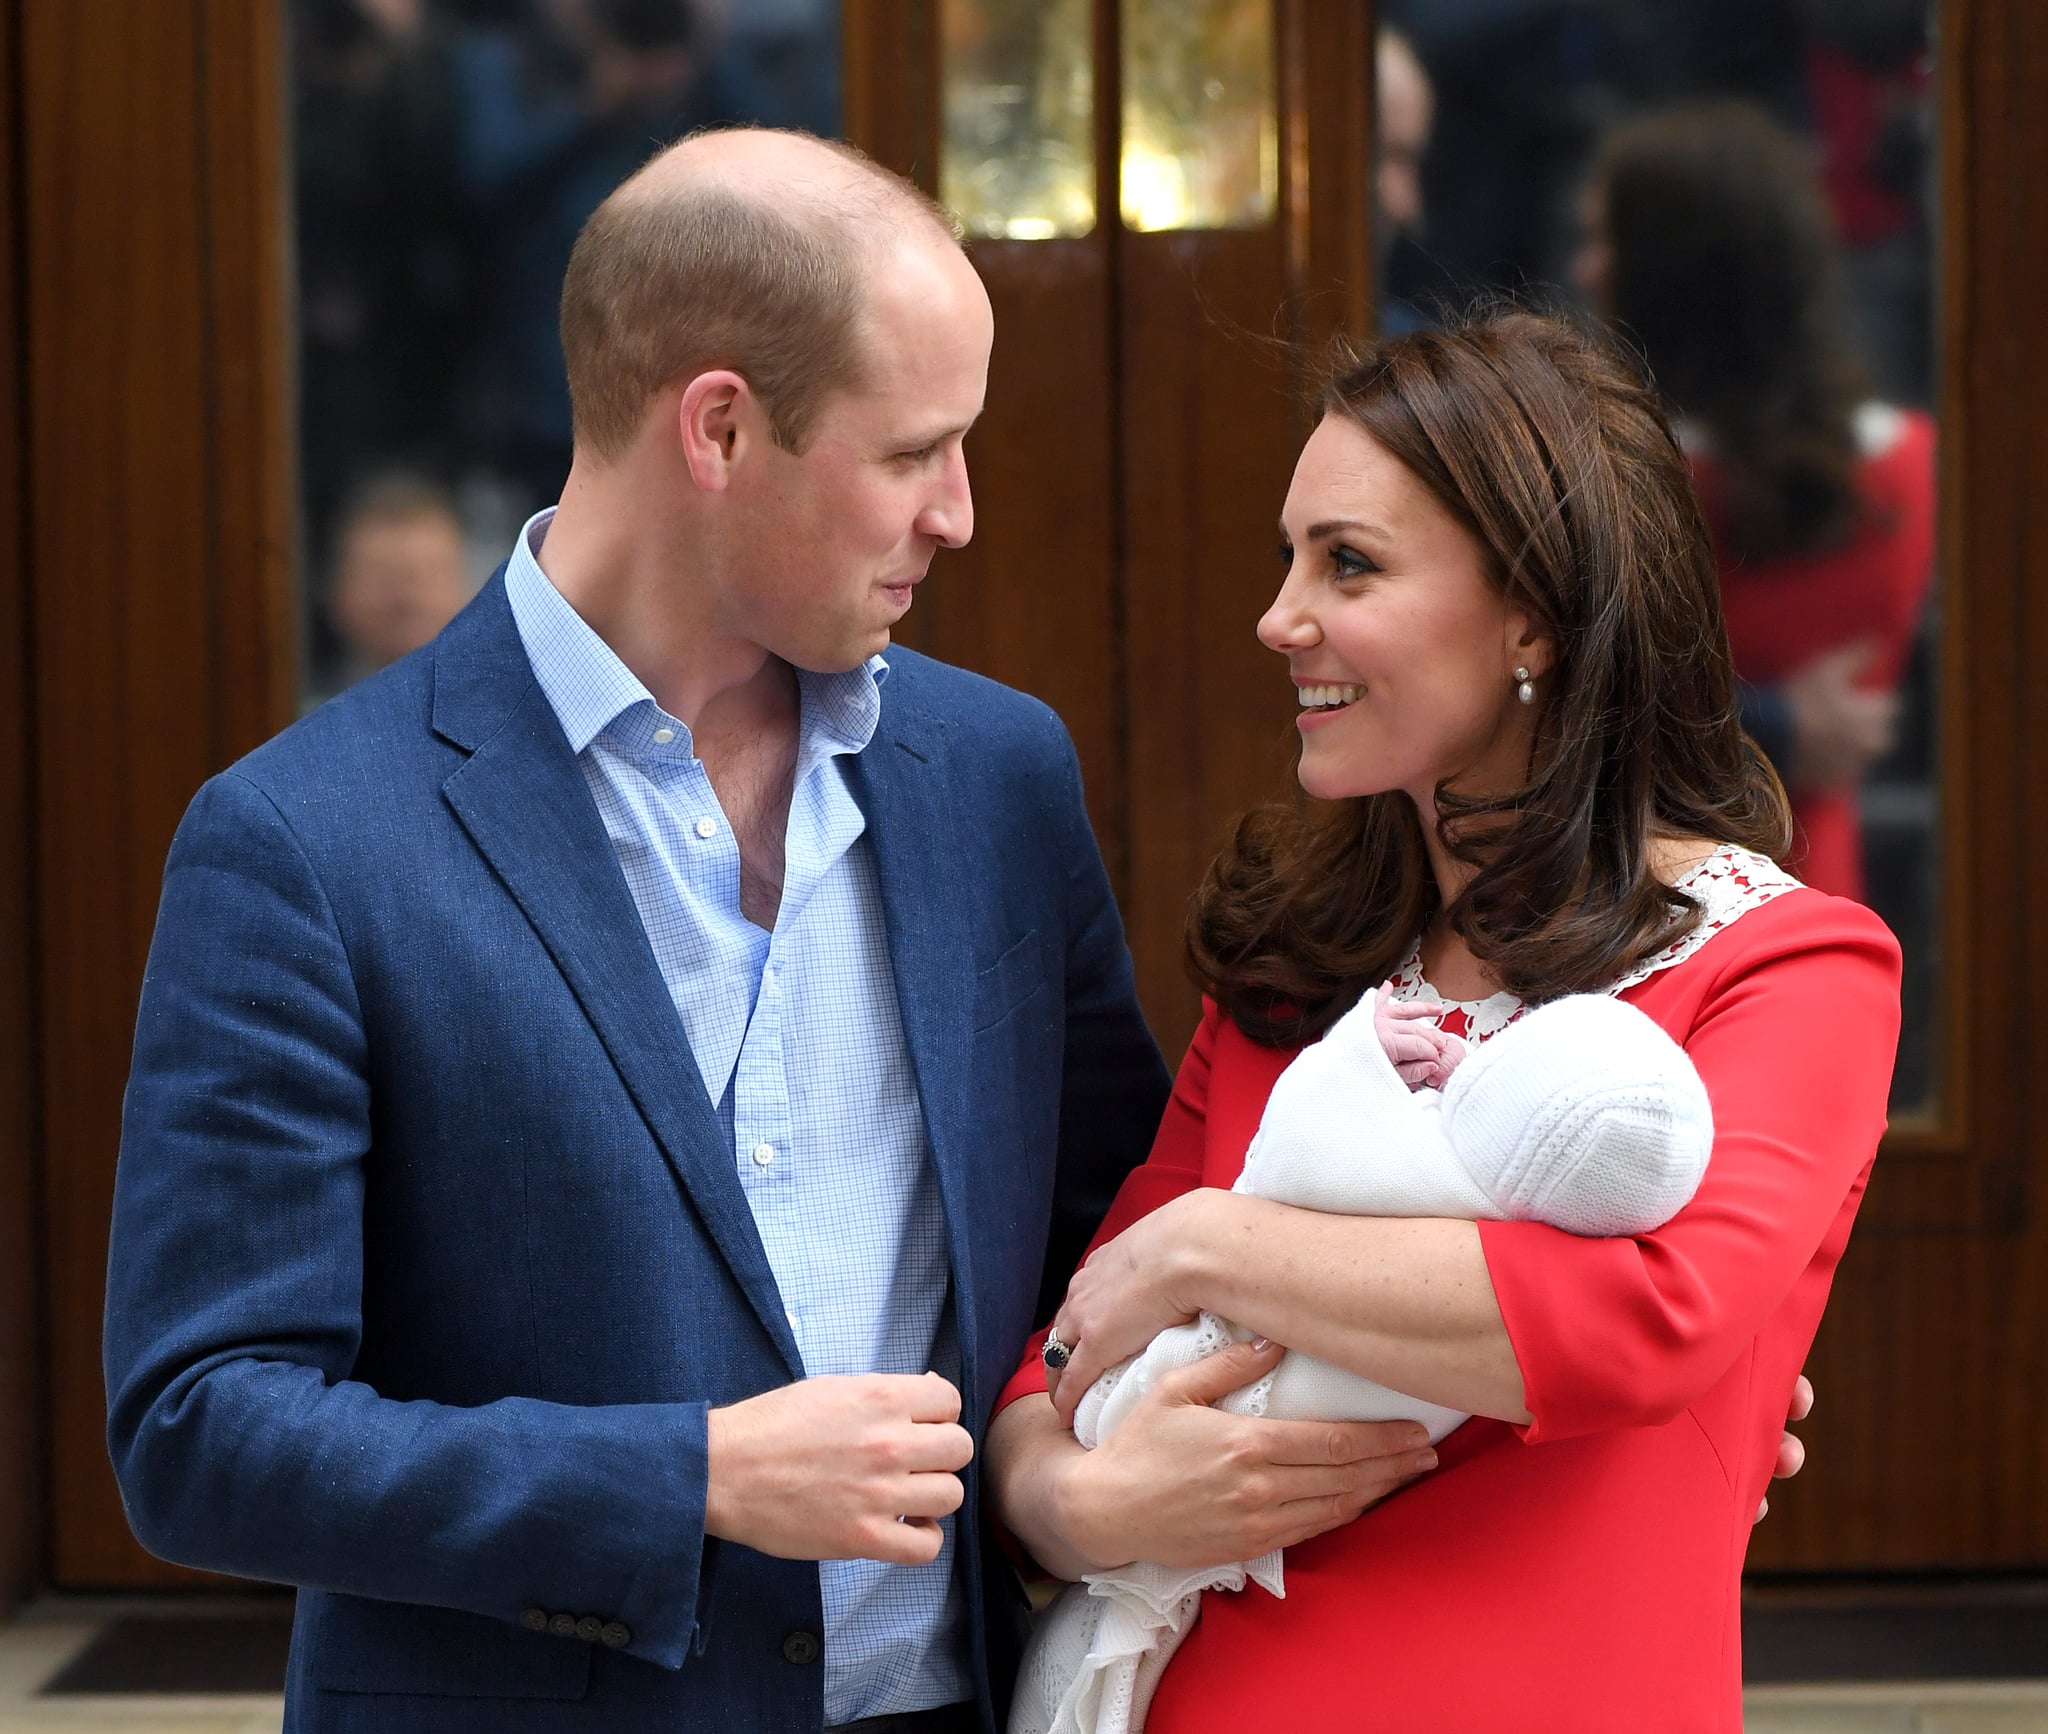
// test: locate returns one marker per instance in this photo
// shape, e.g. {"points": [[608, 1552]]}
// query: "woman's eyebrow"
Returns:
{"points": [[1337, 526]]}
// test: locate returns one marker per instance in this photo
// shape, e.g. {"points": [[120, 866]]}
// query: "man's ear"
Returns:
{"points": [[716, 416]]}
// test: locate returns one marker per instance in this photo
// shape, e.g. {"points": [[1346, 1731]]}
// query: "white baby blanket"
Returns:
{"points": [[1584, 1115]]}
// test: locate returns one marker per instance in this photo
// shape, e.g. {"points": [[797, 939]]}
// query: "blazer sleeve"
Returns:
{"points": [[1174, 1167], [234, 1303], [1794, 1040]]}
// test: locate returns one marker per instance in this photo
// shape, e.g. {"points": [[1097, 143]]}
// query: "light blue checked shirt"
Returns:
{"points": [[798, 1038]]}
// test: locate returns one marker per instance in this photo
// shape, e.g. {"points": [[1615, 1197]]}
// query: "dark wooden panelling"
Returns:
{"points": [[1932, 1363], [1327, 167], [888, 56], [20, 1295], [252, 431], [1031, 600], [157, 423], [1216, 327], [1211, 427]]}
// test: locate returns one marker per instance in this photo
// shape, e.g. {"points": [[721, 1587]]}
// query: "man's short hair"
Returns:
{"points": [[664, 285]]}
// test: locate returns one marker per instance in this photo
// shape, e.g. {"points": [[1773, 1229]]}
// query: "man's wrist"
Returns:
{"points": [[721, 1515]]}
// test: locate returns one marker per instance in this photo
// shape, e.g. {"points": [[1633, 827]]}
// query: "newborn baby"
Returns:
{"points": [[1583, 1115]]}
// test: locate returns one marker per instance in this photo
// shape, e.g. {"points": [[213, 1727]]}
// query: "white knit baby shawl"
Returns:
{"points": [[1584, 1115]]}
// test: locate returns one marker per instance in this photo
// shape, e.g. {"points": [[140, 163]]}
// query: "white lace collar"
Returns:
{"points": [[1727, 885]]}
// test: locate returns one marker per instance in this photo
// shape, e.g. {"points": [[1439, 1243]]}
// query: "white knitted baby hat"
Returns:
{"points": [[1584, 1114]]}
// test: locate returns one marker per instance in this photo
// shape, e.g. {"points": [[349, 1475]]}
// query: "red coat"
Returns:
{"points": [[1580, 1574], [1783, 613]]}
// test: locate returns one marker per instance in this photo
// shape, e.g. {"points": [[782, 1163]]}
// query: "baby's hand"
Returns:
{"points": [[1423, 1055]]}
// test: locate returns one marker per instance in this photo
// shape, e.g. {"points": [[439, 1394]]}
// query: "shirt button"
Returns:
{"points": [[763, 1155], [664, 736], [800, 1648], [707, 827]]}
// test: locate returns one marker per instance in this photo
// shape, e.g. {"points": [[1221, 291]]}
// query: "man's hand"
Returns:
{"points": [[1839, 728], [839, 1468], [1185, 1484], [1791, 1453]]}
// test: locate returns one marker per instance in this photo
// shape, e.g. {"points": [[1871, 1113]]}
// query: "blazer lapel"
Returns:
{"points": [[901, 782], [522, 798]]}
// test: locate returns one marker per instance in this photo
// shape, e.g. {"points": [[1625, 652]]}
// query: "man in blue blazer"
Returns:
{"points": [[613, 1092]]}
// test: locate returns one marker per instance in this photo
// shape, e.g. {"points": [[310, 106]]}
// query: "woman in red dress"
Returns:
{"points": [[1711, 243], [1518, 719]]}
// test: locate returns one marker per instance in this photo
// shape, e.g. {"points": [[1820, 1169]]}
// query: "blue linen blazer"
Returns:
{"points": [[428, 1253]]}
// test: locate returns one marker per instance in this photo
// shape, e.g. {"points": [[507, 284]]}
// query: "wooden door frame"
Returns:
{"points": [[21, 1364], [152, 392]]}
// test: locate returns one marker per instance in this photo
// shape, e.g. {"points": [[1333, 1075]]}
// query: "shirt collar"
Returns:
{"points": [[591, 689]]}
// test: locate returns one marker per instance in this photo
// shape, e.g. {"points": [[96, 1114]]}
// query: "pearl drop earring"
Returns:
{"points": [[1526, 690]]}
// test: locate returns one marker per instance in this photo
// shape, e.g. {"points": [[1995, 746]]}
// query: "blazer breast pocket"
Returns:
{"points": [[1013, 979]]}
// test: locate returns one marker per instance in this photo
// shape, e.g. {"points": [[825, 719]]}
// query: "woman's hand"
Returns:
{"points": [[1184, 1484], [1126, 1294]]}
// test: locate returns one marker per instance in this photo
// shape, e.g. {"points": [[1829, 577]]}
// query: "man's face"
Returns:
{"points": [[835, 538], [398, 582]]}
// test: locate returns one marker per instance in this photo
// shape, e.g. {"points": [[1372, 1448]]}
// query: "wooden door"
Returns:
{"points": [[1128, 471]]}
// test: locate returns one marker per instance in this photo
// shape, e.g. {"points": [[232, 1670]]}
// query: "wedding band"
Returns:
{"points": [[1055, 1354]]}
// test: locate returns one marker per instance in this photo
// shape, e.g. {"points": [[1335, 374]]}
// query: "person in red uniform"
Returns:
{"points": [[1711, 242], [1519, 728]]}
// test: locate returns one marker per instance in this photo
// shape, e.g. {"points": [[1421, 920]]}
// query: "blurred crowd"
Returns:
{"points": [[446, 153]]}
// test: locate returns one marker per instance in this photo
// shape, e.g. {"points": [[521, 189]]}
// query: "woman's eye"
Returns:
{"points": [[1350, 563], [1286, 553], [923, 454]]}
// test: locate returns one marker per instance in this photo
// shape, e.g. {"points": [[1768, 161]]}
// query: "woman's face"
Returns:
{"points": [[1388, 611]]}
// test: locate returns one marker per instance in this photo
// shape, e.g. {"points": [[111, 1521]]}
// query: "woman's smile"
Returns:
{"points": [[1322, 702]]}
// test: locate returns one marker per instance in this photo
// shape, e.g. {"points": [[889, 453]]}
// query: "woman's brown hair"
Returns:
{"points": [[1549, 447]]}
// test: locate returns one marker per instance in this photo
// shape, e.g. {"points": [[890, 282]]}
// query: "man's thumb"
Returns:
{"points": [[1213, 1379]]}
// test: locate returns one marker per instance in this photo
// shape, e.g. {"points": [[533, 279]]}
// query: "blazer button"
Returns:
{"points": [[562, 1626], [800, 1648], [590, 1628], [615, 1636], [534, 1619]]}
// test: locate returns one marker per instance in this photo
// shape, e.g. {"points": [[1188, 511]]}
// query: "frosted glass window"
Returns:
{"points": [[1201, 134], [1017, 159]]}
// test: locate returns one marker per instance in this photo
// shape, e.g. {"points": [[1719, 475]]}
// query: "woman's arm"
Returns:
{"points": [[1184, 1484], [1403, 1300], [1528, 1323]]}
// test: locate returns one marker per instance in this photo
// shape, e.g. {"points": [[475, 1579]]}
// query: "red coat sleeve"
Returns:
{"points": [[1174, 1167], [1792, 1019]]}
